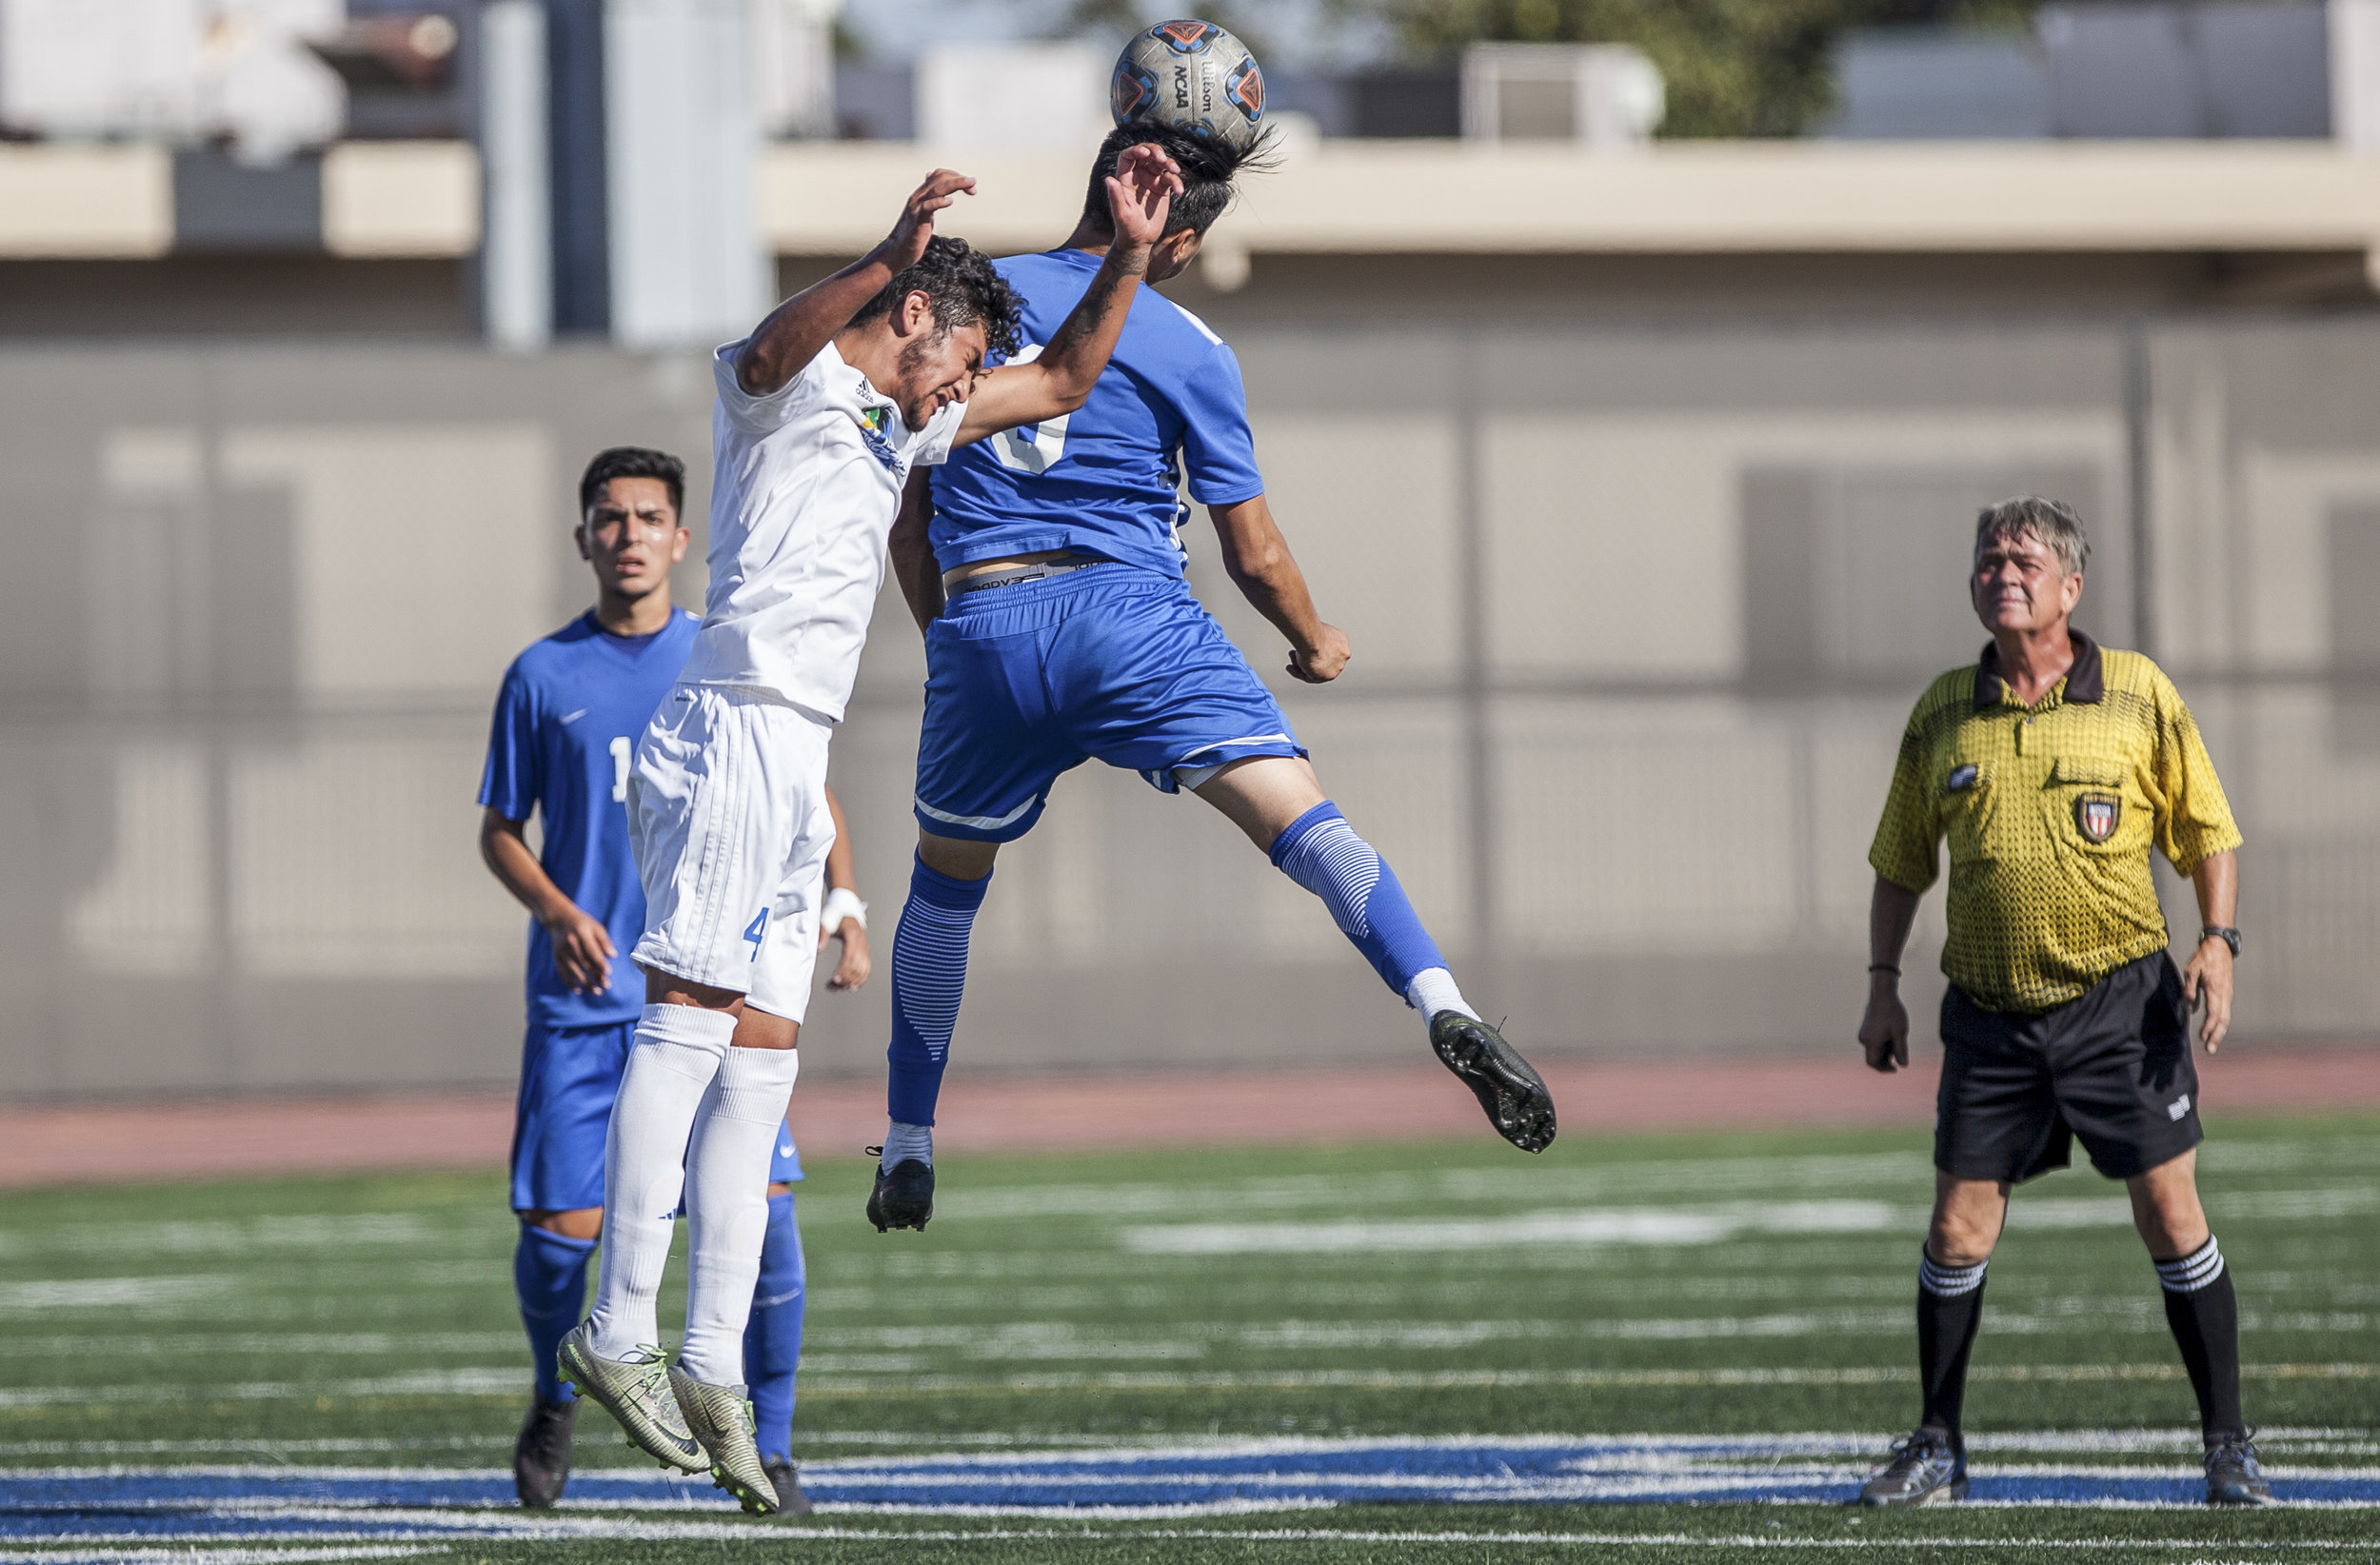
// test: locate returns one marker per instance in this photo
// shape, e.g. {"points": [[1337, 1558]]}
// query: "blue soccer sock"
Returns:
{"points": [[929, 971], [550, 1274], [772, 1339], [1322, 853]]}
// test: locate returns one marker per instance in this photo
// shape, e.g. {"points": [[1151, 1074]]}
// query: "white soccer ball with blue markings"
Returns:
{"points": [[1193, 77]]}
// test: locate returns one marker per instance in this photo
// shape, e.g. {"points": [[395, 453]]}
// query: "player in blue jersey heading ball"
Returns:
{"points": [[1044, 568], [566, 726]]}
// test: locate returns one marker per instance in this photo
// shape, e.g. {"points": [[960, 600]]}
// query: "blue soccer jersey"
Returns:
{"points": [[1102, 480], [567, 723]]}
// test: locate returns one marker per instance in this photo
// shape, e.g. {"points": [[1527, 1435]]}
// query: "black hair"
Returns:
{"points": [[1207, 167], [632, 462], [964, 291]]}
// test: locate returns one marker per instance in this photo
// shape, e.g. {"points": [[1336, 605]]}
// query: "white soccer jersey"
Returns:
{"points": [[805, 484]]}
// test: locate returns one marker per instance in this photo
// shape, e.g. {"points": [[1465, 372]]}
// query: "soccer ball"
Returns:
{"points": [[1193, 77]]}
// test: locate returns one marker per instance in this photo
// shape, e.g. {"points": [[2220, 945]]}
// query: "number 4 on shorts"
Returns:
{"points": [[756, 931]]}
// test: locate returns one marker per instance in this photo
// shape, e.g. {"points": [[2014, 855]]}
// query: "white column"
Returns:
{"points": [[2356, 74], [516, 255], [687, 262]]}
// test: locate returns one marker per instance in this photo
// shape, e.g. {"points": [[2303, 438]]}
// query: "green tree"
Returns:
{"points": [[1733, 67]]}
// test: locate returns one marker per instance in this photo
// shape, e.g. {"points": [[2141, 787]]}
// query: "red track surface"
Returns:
{"points": [[119, 1143]]}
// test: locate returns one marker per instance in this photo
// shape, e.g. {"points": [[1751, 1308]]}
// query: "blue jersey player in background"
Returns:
{"points": [[565, 727], [1044, 568]]}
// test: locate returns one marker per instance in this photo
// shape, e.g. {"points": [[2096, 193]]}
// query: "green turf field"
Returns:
{"points": [[1735, 1284]]}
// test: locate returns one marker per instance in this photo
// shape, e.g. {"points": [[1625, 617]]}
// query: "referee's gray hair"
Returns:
{"points": [[2051, 521]]}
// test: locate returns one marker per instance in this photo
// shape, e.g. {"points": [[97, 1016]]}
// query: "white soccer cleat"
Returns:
{"points": [[636, 1392], [721, 1417]]}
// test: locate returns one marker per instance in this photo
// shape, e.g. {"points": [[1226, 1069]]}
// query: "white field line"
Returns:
{"points": [[101, 1292], [778, 1531], [509, 1382], [1572, 1379], [198, 1554], [294, 1344], [1706, 1225], [1595, 1452], [216, 1238], [457, 1382], [2219, 1160]]}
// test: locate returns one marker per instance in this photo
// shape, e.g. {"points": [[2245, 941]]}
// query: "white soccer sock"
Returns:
{"points": [[904, 1141], [1434, 991], [677, 1055], [727, 1206]]}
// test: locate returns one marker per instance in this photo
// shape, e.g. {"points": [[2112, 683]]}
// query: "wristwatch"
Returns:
{"points": [[2224, 933]]}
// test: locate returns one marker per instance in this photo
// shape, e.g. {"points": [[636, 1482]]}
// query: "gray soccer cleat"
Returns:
{"points": [[636, 1392], [721, 1417], [1515, 1098], [2234, 1475], [1926, 1469]]}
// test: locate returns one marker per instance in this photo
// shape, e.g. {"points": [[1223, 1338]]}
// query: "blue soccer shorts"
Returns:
{"points": [[568, 1078], [1111, 662]]}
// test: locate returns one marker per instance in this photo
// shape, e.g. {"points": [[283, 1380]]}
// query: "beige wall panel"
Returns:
{"points": [[420, 564], [1612, 549], [1368, 503]]}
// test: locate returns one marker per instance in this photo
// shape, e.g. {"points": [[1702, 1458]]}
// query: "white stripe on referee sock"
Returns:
{"points": [[2194, 1271], [1948, 1281]]}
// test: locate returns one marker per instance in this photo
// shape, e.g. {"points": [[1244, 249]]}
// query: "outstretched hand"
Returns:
{"points": [[1140, 194], [905, 245]]}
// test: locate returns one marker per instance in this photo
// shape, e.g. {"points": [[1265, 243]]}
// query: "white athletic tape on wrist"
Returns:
{"points": [[841, 903]]}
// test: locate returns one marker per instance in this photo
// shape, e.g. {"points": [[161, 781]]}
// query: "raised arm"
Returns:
{"points": [[797, 330], [1257, 558], [912, 551], [582, 948], [1058, 380]]}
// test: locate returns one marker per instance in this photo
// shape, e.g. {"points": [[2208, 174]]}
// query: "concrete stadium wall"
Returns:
{"points": [[1639, 610]]}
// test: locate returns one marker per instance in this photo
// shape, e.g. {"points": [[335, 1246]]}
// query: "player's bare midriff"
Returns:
{"points": [[1009, 562]]}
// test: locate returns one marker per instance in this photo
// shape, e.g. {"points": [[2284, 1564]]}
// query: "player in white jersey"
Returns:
{"points": [[822, 414]]}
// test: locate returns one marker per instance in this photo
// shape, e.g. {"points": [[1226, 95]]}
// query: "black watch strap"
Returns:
{"points": [[2224, 933]]}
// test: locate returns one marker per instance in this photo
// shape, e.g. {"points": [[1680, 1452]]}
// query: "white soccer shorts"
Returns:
{"points": [[728, 815]]}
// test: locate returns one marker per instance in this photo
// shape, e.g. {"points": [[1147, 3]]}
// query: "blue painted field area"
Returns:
{"points": [[222, 1505]]}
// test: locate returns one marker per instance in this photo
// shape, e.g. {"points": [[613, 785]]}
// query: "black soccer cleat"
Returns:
{"points": [[902, 1199], [541, 1457], [1927, 1468], [2234, 1475], [1516, 1101], [791, 1500]]}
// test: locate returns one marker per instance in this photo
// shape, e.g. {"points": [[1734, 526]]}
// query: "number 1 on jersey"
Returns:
{"points": [[621, 749]]}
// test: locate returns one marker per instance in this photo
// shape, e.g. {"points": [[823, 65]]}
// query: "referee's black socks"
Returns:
{"points": [[2204, 1313], [1950, 1307]]}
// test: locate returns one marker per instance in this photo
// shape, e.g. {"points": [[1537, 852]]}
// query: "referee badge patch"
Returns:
{"points": [[2096, 813], [1961, 778]]}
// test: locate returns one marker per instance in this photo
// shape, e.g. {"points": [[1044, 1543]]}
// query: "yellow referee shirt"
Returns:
{"points": [[2050, 811]]}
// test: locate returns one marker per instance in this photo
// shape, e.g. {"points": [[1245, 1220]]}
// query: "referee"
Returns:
{"points": [[2054, 765]]}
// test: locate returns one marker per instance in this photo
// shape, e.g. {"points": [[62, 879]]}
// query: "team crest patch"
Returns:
{"points": [[2096, 813], [875, 419]]}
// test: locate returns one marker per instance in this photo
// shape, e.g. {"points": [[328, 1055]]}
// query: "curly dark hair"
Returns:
{"points": [[964, 291], [632, 462], [1208, 168]]}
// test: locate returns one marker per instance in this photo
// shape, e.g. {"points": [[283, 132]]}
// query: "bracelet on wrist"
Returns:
{"points": [[1884, 967]]}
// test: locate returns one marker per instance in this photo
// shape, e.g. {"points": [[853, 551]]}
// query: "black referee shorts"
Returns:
{"points": [[2113, 1067]]}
